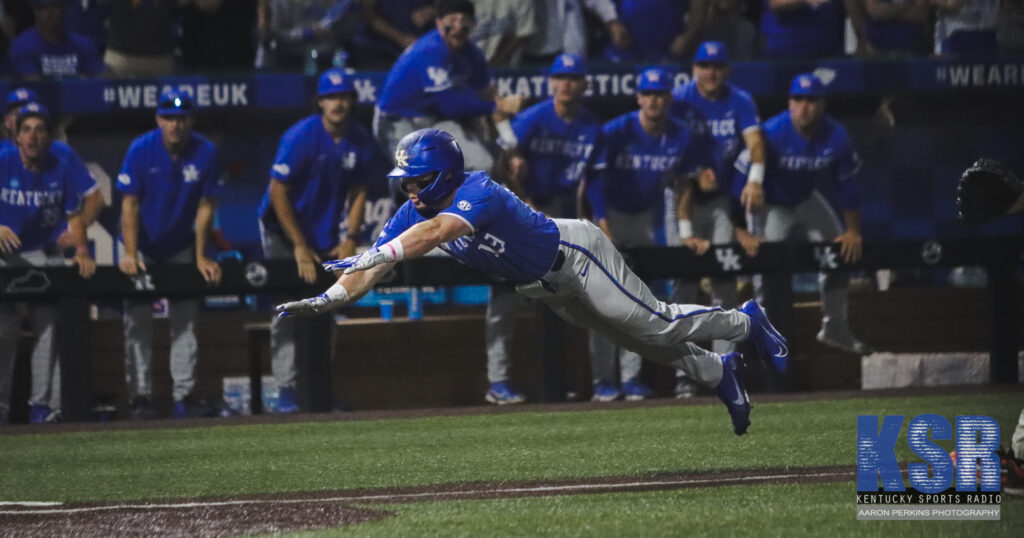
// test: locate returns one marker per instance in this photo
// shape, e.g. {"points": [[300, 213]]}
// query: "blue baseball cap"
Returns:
{"points": [[334, 80], [806, 85], [568, 64], [712, 52], [20, 96], [33, 110], [654, 79], [174, 103]]}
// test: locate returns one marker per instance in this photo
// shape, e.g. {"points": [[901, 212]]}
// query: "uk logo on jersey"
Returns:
{"points": [[438, 75], [349, 162], [190, 173]]}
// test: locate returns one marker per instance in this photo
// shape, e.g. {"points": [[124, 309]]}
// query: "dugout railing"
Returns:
{"points": [[777, 262]]}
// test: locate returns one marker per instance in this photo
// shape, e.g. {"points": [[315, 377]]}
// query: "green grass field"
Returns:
{"points": [[176, 463]]}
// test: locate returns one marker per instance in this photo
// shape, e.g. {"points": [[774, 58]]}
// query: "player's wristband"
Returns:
{"points": [[393, 248], [337, 293], [685, 228], [756, 174]]}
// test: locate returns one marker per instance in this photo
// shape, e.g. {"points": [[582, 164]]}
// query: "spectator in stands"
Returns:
{"points": [[217, 35], [966, 27], [661, 30], [502, 29], [442, 81], [391, 26], [305, 34], [88, 18], [324, 161], [560, 28], [891, 26], [803, 28], [41, 198], [728, 117], [141, 37], [48, 50], [170, 180], [726, 23], [809, 170], [646, 152], [547, 151]]}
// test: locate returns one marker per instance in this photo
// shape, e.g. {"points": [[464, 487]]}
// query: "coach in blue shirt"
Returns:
{"points": [[442, 81], [40, 199], [809, 175], [323, 165], [170, 180], [48, 49]]}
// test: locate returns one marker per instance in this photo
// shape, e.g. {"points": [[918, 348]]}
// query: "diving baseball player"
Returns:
{"points": [[646, 152], [569, 264], [40, 198], [552, 145], [170, 181], [324, 161], [709, 104], [809, 171]]}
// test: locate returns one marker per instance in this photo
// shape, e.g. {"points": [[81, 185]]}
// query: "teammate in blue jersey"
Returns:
{"points": [[648, 154], [661, 30], [727, 115], [92, 202], [569, 264], [802, 28], [547, 150], [324, 161], [442, 81], [48, 49], [170, 181], [809, 172], [40, 199]]}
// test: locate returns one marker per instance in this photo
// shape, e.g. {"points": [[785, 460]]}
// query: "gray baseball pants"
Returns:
{"points": [[595, 289], [819, 222], [45, 362], [282, 332], [138, 339]]}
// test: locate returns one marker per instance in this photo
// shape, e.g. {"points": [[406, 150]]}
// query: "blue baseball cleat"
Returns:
{"points": [[732, 389], [287, 400], [770, 344], [502, 393], [636, 390], [605, 392]]}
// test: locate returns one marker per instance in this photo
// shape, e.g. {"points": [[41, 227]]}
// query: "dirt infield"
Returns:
{"points": [[267, 514]]}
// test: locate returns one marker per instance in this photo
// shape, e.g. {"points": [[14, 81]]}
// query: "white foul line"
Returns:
{"points": [[413, 496]]}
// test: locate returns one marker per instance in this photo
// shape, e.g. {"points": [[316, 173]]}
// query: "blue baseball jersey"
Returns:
{"points": [[35, 205], [84, 181], [558, 153], [639, 167], [32, 55], [169, 190], [319, 173], [795, 166], [509, 240], [427, 69], [653, 24], [803, 32], [724, 121]]}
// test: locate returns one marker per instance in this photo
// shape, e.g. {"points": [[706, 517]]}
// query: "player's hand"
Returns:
{"points": [[749, 242], [86, 265], [698, 245], [517, 169], [509, 105], [752, 196], [131, 266], [344, 249], [706, 180], [9, 241], [852, 246], [307, 261], [209, 269], [620, 35], [372, 257], [306, 307], [65, 240]]}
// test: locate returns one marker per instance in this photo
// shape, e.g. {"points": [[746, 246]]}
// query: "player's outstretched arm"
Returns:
{"points": [[348, 289], [413, 243]]}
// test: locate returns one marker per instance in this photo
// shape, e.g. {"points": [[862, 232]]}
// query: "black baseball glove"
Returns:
{"points": [[985, 191]]}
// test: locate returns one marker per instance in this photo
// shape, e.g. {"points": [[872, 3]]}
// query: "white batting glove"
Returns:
{"points": [[374, 256], [334, 297]]}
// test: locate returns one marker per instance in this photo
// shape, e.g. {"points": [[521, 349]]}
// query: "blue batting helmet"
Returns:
{"points": [[430, 151]]}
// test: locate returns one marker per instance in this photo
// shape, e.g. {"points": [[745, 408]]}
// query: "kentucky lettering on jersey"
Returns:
{"points": [[509, 240], [319, 174], [796, 166], [34, 205]]}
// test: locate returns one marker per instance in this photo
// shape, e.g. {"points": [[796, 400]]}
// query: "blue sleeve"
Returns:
{"points": [[400, 222], [598, 158], [73, 200], [213, 177], [129, 181], [847, 165], [594, 189], [480, 78], [698, 154], [522, 127], [83, 180], [746, 113], [289, 159], [23, 59], [476, 206], [460, 102]]}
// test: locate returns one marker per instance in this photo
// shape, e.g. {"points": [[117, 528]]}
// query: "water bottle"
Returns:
{"points": [[415, 304], [340, 58], [312, 65]]}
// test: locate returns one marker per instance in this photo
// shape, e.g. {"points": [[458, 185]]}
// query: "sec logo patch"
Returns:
{"points": [[464, 205]]}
